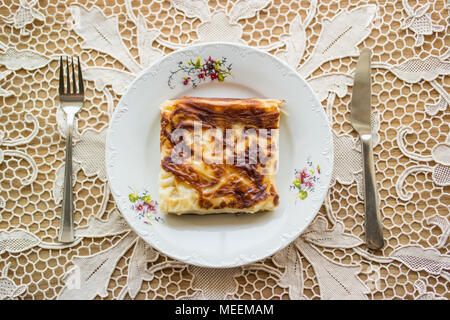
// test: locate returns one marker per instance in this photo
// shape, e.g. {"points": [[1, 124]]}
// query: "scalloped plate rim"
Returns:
{"points": [[195, 259]]}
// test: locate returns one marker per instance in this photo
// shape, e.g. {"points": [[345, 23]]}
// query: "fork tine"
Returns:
{"points": [[80, 77], [68, 75], [73, 78], [61, 76]]}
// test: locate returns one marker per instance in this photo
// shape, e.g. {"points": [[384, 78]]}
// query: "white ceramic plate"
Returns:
{"points": [[226, 240]]}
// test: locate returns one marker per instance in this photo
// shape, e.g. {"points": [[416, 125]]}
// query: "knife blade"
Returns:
{"points": [[361, 97], [360, 119]]}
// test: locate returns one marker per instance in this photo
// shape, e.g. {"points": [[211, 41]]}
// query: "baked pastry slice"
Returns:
{"points": [[218, 155]]}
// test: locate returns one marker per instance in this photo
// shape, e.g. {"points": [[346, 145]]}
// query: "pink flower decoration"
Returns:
{"points": [[303, 175], [139, 206], [309, 184], [149, 207]]}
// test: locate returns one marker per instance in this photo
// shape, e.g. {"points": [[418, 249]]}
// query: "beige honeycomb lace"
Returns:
{"points": [[319, 38]]}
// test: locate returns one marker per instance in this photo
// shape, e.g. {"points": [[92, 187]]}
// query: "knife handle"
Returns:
{"points": [[374, 231]]}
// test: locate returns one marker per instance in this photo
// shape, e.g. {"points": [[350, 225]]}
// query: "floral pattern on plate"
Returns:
{"points": [[144, 206], [200, 70], [305, 179]]}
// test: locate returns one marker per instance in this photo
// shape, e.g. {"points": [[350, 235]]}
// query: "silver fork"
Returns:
{"points": [[71, 100]]}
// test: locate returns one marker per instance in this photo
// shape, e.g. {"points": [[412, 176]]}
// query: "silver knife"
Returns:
{"points": [[360, 119]]}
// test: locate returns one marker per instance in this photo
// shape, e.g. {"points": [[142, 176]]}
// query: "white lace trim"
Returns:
{"points": [[324, 261]]}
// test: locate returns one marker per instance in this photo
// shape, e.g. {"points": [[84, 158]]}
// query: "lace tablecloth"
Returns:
{"points": [[321, 39]]}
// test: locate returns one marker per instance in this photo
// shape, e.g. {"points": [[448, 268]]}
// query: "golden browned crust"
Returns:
{"points": [[221, 187]]}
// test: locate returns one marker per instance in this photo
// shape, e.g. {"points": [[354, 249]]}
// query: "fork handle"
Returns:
{"points": [[374, 231], [66, 229]]}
